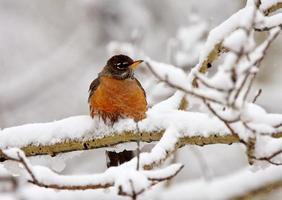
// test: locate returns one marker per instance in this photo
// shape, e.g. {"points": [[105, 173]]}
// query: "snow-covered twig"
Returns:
{"points": [[253, 185], [269, 158], [139, 181], [189, 90], [268, 7], [226, 122], [213, 47]]}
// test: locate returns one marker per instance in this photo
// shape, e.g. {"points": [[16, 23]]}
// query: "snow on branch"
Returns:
{"points": [[225, 94], [132, 185], [269, 6], [252, 184], [247, 16], [82, 133]]}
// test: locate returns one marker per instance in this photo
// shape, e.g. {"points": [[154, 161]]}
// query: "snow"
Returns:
{"points": [[159, 152], [239, 19], [172, 103], [221, 188], [169, 72], [181, 81], [123, 177], [257, 114], [84, 127], [220, 80], [257, 53], [161, 173], [268, 21], [266, 146], [265, 4], [39, 133], [45, 175], [235, 40], [13, 153], [273, 21], [226, 187], [163, 116], [256, 118]]}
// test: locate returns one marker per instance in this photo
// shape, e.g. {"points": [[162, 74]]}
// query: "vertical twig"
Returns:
{"points": [[257, 95], [134, 195], [251, 150], [138, 146]]}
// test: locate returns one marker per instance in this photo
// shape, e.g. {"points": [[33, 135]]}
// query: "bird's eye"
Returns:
{"points": [[122, 66], [119, 66]]}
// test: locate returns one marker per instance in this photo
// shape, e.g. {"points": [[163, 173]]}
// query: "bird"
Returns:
{"points": [[116, 94]]}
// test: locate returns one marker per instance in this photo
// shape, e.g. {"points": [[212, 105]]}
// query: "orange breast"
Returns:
{"points": [[118, 98]]}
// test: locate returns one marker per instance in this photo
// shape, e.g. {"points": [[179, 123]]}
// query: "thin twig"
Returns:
{"points": [[34, 180], [220, 118], [208, 85], [165, 80], [257, 95], [138, 147], [268, 158]]}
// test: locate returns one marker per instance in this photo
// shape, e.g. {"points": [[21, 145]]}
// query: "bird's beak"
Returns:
{"points": [[135, 64]]}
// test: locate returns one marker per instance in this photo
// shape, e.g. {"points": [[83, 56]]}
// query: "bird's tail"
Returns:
{"points": [[115, 159]]}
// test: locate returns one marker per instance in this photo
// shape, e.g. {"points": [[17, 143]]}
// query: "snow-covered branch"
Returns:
{"points": [[253, 184], [214, 45], [269, 6], [132, 185], [82, 133], [225, 93]]}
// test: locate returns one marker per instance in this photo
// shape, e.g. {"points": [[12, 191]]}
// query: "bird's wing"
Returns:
{"points": [[93, 86], [139, 84]]}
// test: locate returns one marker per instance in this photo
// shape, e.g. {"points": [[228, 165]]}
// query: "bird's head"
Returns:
{"points": [[120, 67]]}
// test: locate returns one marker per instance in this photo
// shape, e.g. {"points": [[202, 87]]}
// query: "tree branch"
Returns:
{"points": [[260, 191], [40, 176], [114, 139], [272, 8]]}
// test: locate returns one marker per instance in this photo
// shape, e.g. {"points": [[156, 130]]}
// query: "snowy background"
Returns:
{"points": [[51, 50]]}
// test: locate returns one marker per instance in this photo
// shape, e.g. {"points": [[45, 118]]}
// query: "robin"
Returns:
{"points": [[116, 94]]}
